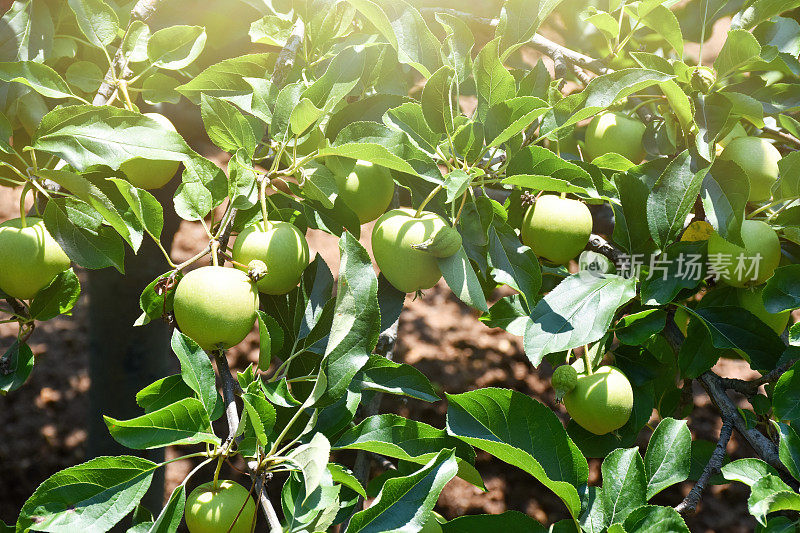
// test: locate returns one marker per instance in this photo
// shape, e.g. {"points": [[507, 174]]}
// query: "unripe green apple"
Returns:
{"points": [[281, 247], [759, 239], [216, 306], [29, 257], [736, 132], [431, 526], [601, 402], [367, 190], [557, 228], [393, 236], [615, 132], [564, 379], [759, 160], [751, 299], [148, 173], [213, 510]]}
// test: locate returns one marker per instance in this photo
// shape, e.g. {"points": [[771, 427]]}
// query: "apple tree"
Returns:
{"points": [[483, 153]]}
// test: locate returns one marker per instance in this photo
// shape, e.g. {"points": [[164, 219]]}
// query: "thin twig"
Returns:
{"points": [[603, 247], [782, 135], [689, 504], [750, 388]]}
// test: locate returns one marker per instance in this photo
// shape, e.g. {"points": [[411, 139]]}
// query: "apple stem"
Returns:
{"points": [[215, 485], [563, 195], [587, 363], [25, 190], [426, 200]]}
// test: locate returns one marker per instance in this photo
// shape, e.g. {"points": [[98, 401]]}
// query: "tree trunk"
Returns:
{"points": [[122, 358]]}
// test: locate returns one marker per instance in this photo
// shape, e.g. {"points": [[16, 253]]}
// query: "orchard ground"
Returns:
{"points": [[44, 422]]}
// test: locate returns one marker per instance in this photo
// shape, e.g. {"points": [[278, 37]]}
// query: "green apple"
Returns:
{"points": [[148, 173], [751, 299], [736, 132], [216, 306], [281, 247], [431, 526], [557, 228], [759, 239], [682, 320], [29, 257], [615, 132], [367, 190], [212, 509], [393, 236], [759, 160], [601, 402]]}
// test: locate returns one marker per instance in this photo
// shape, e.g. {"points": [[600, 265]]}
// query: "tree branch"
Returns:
{"points": [[689, 504], [601, 246], [143, 10], [750, 388], [230, 387], [288, 54]]}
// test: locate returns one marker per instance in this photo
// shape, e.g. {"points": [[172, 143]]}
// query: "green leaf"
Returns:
{"points": [[41, 78], [494, 83], [789, 448], [668, 456], [242, 184], [602, 92], [160, 88], [768, 495], [304, 115], [578, 311], [183, 422], [176, 47], [97, 20], [519, 114], [58, 298], [26, 32], [664, 22], [345, 477], [203, 186], [519, 20], [536, 167], [513, 263], [226, 126], [789, 168], [604, 22], [406, 501], [196, 369], [724, 194], [672, 197], [733, 329], [340, 78], [760, 10], [163, 392], [85, 75], [312, 460], [356, 323], [747, 471], [91, 496], [624, 484], [383, 375], [89, 248], [458, 44], [437, 100], [740, 48], [408, 440], [410, 119], [635, 329], [271, 30], [229, 77], [170, 517], [462, 280], [86, 135], [144, 205], [786, 397], [782, 292], [522, 432], [17, 363], [415, 43], [134, 46], [655, 518]]}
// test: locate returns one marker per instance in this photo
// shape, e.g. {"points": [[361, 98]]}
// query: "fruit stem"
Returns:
{"points": [[214, 254], [768, 206], [587, 363], [25, 189], [460, 208], [563, 195], [215, 485], [262, 196], [427, 200]]}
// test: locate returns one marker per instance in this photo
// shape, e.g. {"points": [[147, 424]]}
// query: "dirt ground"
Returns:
{"points": [[43, 424]]}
